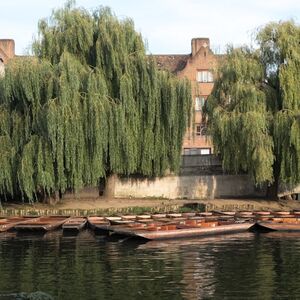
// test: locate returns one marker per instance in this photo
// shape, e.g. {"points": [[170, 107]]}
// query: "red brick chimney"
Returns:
{"points": [[197, 43], [7, 49]]}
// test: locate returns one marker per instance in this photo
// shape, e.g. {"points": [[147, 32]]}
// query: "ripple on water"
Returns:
{"points": [[238, 266]]}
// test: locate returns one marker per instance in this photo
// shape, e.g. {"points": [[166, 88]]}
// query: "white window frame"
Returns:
{"points": [[205, 151], [200, 129], [205, 76], [196, 151], [199, 103]]}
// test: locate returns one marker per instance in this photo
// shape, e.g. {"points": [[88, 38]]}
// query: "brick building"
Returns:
{"points": [[7, 51], [198, 67]]}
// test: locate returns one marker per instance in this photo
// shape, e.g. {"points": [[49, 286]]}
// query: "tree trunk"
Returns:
{"points": [[272, 190]]}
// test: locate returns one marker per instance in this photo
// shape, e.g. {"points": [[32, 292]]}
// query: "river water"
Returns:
{"points": [[85, 266]]}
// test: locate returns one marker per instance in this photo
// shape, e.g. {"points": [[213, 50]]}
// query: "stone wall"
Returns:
{"points": [[190, 187]]}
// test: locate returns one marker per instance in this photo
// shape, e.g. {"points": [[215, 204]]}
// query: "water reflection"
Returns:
{"points": [[88, 266]]}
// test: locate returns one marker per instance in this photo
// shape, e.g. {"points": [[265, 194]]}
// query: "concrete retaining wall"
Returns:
{"points": [[190, 187]]}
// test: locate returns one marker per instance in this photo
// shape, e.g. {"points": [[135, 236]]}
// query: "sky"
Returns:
{"points": [[166, 25]]}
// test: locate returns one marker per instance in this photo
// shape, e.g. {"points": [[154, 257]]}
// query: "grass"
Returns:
{"points": [[136, 210]]}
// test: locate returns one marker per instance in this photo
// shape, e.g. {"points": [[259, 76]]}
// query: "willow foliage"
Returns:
{"points": [[90, 102], [254, 110]]}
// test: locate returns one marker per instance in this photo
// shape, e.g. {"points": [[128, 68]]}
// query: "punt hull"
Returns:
{"points": [[74, 224], [10, 223], [42, 224], [98, 225], [273, 226], [183, 232]]}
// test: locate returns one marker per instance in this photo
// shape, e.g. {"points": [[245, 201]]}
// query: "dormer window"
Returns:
{"points": [[205, 76]]}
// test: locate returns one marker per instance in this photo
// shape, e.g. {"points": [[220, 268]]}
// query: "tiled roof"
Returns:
{"points": [[173, 63]]}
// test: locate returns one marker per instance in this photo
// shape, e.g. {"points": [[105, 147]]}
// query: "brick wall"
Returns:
{"points": [[201, 59], [7, 49]]}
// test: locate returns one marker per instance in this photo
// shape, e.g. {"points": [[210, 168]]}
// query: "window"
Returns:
{"points": [[204, 76], [199, 103], [186, 151], [196, 151], [201, 129], [204, 151]]}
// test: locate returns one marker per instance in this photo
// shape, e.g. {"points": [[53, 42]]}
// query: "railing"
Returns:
{"points": [[201, 165], [200, 160]]}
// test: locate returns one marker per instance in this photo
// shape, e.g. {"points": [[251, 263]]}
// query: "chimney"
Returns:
{"points": [[7, 49], [197, 43]]}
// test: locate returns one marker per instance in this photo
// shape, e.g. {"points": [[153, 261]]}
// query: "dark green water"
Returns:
{"points": [[242, 266]]}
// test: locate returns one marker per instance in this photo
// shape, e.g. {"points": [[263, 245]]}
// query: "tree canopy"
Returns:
{"points": [[89, 102], [254, 109]]}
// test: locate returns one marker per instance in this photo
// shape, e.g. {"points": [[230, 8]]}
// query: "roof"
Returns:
{"points": [[173, 63]]}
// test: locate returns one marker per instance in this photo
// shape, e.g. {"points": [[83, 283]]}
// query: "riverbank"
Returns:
{"points": [[113, 206]]}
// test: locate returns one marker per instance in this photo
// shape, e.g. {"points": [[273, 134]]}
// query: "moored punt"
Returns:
{"points": [[9, 223], [128, 217], [284, 222], [121, 222], [275, 226], [189, 214], [264, 218], [281, 213], [205, 214], [174, 215], [226, 213], [158, 216], [171, 231], [42, 223], [112, 219], [98, 224], [245, 215], [262, 213], [143, 217], [74, 224]]}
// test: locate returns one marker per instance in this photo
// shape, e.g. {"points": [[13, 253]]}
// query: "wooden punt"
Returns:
{"points": [[121, 222], [158, 216], [281, 213], [128, 217], [245, 215], [143, 217], [275, 226], [180, 231], [7, 224], [189, 214], [74, 224], [174, 215], [205, 214], [98, 224], [112, 219], [226, 213], [262, 213], [42, 223]]}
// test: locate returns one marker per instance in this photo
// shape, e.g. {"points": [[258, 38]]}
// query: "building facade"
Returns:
{"points": [[198, 67], [7, 51]]}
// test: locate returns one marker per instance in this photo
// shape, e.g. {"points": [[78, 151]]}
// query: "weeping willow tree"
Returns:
{"points": [[254, 110], [88, 103]]}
